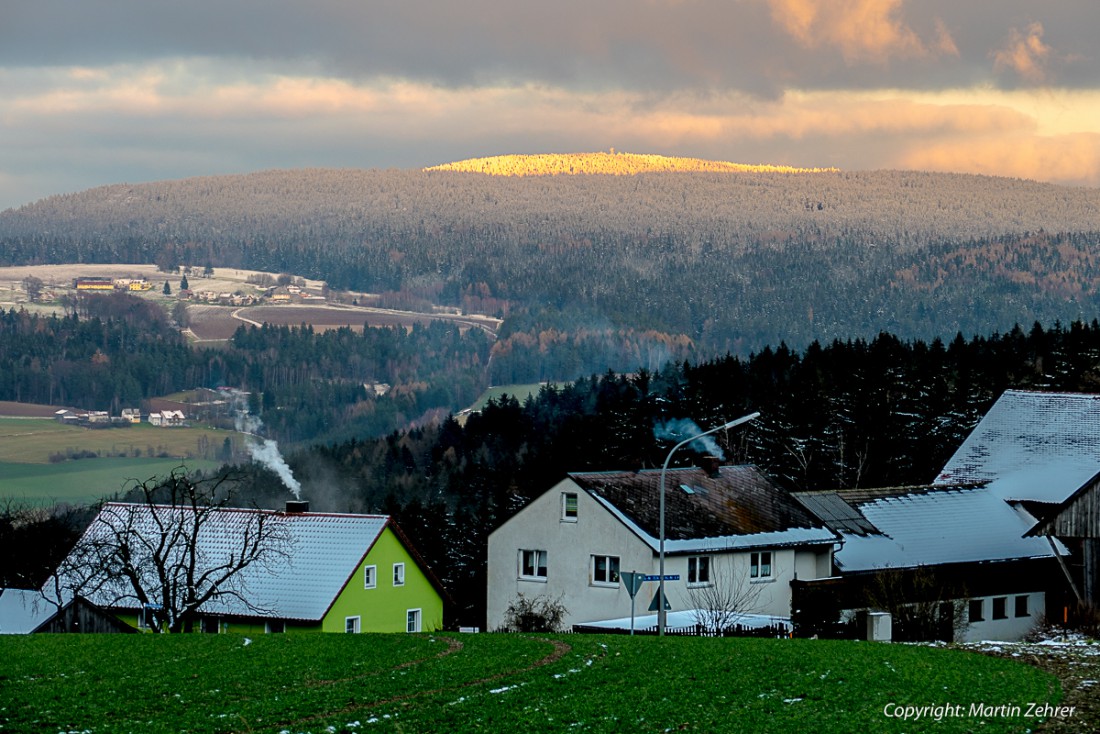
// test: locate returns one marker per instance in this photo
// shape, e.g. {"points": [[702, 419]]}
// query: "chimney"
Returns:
{"points": [[297, 506], [710, 464]]}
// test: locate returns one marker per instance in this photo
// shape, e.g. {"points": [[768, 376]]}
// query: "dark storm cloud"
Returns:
{"points": [[760, 46]]}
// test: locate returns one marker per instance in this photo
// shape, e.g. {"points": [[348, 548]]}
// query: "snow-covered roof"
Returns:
{"points": [[924, 526], [23, 611], [735, 508], [322, 552], [1031, 446]]}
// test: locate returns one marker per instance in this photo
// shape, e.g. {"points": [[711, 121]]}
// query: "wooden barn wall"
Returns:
{"points": [[84, 618], [1081, 519]]}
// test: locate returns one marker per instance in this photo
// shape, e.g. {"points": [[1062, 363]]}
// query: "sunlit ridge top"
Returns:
{"points": [[612, 163]]}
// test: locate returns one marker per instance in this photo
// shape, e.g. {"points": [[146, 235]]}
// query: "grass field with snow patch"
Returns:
{"points": [[498, 683]]}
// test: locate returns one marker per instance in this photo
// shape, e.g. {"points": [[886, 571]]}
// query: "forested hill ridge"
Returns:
{"points": [[613, 164], [620, 271]]}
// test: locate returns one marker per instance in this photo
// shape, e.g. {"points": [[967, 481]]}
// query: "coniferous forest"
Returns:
{"points": [[596, 271], [869, 317]]}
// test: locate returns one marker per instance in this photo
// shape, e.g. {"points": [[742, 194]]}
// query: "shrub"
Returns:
{"points": [[535, 614]]}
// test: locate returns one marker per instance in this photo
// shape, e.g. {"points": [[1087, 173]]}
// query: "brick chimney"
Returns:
{"points": [[710, 465]]}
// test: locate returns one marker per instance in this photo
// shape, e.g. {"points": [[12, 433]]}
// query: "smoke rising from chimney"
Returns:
{"points": [[679, 429], [262, 450]]}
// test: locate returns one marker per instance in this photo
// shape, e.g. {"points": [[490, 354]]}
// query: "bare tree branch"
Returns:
{"points": [[726, 598], [180, 548]]}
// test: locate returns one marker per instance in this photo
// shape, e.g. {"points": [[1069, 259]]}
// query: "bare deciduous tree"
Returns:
{"points": [[726, 598], [179, 548]]}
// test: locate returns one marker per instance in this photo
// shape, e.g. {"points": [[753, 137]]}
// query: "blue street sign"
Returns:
{"points": [[668, 577]]}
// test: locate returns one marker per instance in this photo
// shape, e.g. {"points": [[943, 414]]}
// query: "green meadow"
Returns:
{"points": [[84, 481], [295, 684], [37, 465]]}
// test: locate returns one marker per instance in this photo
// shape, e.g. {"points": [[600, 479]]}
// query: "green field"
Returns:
{"points": [[499, 683], [30, 447], [84, 481], [35, 440]]}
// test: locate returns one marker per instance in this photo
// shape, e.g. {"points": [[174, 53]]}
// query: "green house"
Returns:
{"points": [[338, 573]]}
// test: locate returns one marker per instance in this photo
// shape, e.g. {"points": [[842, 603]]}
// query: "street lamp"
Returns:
{"points": [[661, 568]]}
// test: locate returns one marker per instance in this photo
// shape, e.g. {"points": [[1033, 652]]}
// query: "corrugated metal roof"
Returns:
{"points": [[934, 525], [736, 508], [1031, 446], [323, 550]]}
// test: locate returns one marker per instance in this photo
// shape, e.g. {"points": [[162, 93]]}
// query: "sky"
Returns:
{"points": [[96, 92]]}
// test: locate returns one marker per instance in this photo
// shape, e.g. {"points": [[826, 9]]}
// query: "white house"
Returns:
{"points": [[167, 418], [729, 532]]}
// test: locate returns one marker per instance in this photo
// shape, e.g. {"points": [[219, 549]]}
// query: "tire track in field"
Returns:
{"points": [[561, 649], [452, 644]]}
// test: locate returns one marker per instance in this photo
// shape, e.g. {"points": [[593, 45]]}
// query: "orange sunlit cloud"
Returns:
{"points": [[863, 30], [1026, 54]]}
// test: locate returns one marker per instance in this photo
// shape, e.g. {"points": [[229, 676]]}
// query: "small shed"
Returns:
{"points": [[24, 611]]}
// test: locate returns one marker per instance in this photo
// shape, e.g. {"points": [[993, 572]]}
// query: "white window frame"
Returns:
{"points": [[399, 574], [565, 502], [351, 625], [698, 573], [534, 564], [976, 605], [613, 564], [413, 621], [370, 577], [760, 571]]}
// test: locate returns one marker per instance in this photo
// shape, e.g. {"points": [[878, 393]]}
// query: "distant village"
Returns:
{"points": [[129, 416], [289, 293]]}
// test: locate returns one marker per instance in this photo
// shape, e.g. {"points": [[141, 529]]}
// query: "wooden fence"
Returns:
{"points": [[697, 630]]}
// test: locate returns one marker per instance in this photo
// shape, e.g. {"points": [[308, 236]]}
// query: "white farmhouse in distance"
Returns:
{"points": [[167, 418]]}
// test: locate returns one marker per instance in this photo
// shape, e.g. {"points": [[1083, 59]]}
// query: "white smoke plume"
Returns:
{"points": [[267, 453], [262, 450], [680, 429]]}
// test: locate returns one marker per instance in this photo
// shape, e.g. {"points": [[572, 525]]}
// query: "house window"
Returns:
{"points": [[532, 564], [1000, 607], [1021, 606], [211, 625], [605, 570], [699, 570], [977, 610], [569, 506], [351, 625], [760, 565], [399, 574], [370, 577], [412, 621], [275, 626]]}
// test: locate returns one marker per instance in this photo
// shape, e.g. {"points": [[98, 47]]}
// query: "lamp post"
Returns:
{"points": [[664, 469]]}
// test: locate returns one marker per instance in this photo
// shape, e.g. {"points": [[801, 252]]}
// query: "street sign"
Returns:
{"points": [[632, 581], [668, 577], [653, 604]]}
